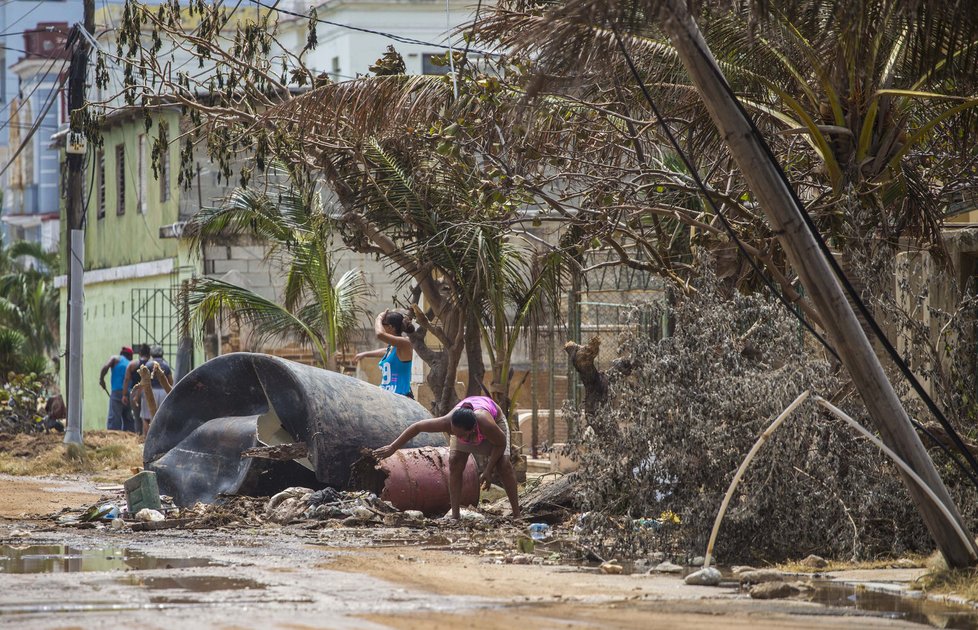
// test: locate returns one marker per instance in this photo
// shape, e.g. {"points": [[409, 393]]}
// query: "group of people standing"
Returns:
{"points": [[138, 387], [477, 425]]}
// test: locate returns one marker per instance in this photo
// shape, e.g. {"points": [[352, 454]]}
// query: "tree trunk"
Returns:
{"points": [[473, 355], [442, 369], [595, 382], [764, 178]]}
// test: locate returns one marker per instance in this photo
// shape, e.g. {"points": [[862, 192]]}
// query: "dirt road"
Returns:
{"points": [[295, 577]]}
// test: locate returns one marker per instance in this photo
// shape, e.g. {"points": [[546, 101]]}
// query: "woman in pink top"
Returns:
{"points": [[477, 426]]}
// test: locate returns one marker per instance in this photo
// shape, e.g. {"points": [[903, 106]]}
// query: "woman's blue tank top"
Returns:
{"points": [[395, 375]]}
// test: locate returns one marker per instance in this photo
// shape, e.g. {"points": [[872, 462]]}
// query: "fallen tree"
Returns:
{"points": [[683, 411]]}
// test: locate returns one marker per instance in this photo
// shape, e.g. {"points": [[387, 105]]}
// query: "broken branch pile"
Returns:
{"points": [[685, 411]]}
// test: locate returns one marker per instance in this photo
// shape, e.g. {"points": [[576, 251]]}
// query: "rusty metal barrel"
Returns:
{"points": [[242, 400], [415, 479]]}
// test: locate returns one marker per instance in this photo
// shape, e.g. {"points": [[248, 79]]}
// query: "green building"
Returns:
{"points": [[135, 261]]}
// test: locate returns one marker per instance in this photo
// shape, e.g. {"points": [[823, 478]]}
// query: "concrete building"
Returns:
{"points": [[136, 260], [35, 111], [351, 34]]}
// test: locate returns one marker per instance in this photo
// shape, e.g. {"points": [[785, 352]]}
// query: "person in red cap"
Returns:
{"points": [[120, 416]]}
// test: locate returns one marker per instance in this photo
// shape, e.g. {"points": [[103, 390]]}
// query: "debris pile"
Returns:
{"points": [[351, 508], [686, 409]]}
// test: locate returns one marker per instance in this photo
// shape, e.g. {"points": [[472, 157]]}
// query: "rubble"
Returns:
{"points": [[709, 576], [773, 590]]}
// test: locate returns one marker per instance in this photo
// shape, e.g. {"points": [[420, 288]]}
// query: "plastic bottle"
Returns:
{"points": [[539, 531]]}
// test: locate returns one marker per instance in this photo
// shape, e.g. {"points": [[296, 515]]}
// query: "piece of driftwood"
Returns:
{"points": [[293, 450], [551, 502]]}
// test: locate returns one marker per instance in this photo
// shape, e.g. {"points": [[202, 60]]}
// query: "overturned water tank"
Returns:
{"points": [[244, 400]]}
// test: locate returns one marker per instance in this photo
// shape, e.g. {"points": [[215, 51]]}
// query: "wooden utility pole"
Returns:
{"points": [[75, 213], [765, 180]]}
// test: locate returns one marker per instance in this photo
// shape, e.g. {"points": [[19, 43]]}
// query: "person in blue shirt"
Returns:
{"points": [[118, 419], [395, 359]]}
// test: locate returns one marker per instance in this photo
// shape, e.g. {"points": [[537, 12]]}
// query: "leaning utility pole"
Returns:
{"points": [[766, 182], [77, 75]]}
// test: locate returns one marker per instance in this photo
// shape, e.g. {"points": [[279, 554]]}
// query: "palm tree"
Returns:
{"points": [[867, 104], [443, 228], [28, 299], [318, 309]]}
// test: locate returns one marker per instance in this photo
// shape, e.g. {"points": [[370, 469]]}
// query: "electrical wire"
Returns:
{"points": [[682, 155], [397, 38], [841, 275], [37, 124], [6, 123], [694, 172]]}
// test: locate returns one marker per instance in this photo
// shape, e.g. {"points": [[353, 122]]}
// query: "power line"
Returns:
{"points": [[843, 278], [694, 172], [397, 38], [25, 100], [699, 182]]}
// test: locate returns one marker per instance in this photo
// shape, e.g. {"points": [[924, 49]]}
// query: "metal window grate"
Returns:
{"points": [[156, 320]]}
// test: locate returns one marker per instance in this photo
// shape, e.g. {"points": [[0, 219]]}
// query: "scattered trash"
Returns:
{"points": [[142, 491], [20, 533], [611, 568], [539, 531], [469, 515], [100, 512], [709, 576], [354, 508], [737, 569], [118, 523], [698, 561], [147, 515], [525, 545], [288, 505], [647, 523]]}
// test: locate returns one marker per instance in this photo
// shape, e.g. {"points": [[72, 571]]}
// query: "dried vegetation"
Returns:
{"points": [[684, 411], [110, 454]]}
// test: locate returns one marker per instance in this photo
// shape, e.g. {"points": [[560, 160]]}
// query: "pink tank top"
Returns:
{"points": [[479, 402]]}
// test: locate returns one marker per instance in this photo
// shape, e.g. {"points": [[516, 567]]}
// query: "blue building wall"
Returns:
{"points": [[17, 16]]}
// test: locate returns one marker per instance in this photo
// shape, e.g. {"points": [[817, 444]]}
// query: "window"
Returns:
{"points": [[165, 175], [141, 174], [100, 173], [428, 64], [120, 182]]}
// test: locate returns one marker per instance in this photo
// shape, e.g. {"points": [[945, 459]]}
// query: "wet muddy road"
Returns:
{"points": [[300, 577]]}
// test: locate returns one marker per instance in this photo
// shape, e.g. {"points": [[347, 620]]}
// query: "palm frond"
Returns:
{"points": [[210, 298]]}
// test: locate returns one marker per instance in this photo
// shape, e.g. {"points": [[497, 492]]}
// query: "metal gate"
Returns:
{"points": [[156, 320]]}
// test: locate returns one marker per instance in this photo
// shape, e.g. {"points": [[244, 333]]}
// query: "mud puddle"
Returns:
{"points": [[67, 559], [893, 606], [194, 583]]}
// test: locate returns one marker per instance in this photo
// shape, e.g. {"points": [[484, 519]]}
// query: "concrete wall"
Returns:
{"points": [[108, 325], [125, 253]]}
